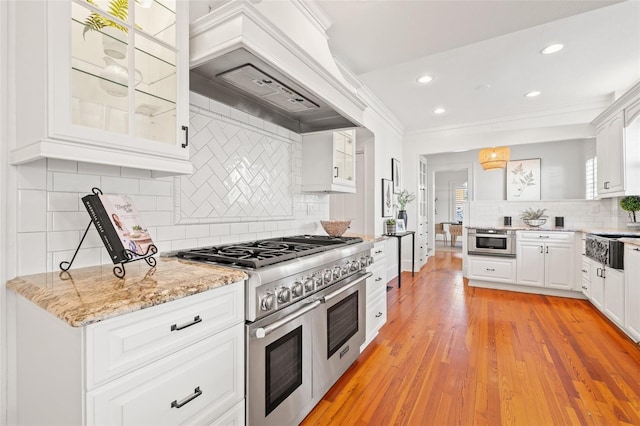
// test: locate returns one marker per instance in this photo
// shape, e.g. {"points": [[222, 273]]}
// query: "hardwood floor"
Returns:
{"points": [[457, 355]]}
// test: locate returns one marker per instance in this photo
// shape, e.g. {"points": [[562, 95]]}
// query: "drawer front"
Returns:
{"points": [[377, 252], [545, 236], [376, 314], [586, 269], [376, 284], [492, 269], [193, 386], [123, 344]]}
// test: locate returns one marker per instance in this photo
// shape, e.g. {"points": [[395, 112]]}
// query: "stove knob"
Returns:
{"points": [[317, 279], [369, 260], [328, 276], [355, 265], [336, 272], [364, 262], [308, 285], [267, 302], [345, 268], [284, 295], [296, 289]]}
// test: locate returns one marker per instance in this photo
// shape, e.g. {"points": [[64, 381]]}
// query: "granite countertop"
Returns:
{"points": [[86, 295], [632, 241]]}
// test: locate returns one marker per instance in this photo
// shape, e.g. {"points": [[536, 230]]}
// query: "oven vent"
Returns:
{"points": [[260, 84]]}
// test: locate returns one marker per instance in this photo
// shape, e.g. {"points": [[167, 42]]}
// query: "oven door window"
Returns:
{"points": [[342, 323], [283, 361], [491, 243]]}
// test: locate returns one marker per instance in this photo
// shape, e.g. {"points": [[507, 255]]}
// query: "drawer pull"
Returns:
{"points": [[176, 327], [636, 249], [379, 314], [378, 251], [543, 236], [491, 269], [585, 271], [196, 393], [379, 279]]}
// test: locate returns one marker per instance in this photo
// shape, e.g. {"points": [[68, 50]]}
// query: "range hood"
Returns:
{"points": [[249, 57]]}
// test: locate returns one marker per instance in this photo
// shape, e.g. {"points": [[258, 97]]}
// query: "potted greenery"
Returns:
{"points": [[631, 204], [534, 218], [404, 198], [391, 226]]}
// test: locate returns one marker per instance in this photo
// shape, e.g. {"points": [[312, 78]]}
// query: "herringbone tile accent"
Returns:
{"points": [[240, 174]]}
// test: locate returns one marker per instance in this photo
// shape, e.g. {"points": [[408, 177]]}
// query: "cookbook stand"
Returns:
{"points": [[130, 256]]}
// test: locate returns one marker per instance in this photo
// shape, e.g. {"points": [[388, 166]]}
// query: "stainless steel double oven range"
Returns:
{"points": [[305, 318]]}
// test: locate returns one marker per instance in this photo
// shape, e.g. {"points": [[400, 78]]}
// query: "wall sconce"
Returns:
{"points": [[494, 158]]}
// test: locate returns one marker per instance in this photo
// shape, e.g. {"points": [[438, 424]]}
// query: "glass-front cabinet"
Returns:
{"points": [[344, 152], [112, 77], [329, 161]]}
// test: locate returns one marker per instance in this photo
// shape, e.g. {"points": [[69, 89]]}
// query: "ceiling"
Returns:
{"points": [[485, 55]]}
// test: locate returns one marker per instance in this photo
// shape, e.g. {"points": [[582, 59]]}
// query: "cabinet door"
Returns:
{"points": [[530, 263], [632, 291], [344, 154], [558, 268], [614, 295], [596, 285], [610, 150], [586, 276]]}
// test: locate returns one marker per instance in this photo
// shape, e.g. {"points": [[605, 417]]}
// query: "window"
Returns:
{"points": [[591, 178], [461, 197]]}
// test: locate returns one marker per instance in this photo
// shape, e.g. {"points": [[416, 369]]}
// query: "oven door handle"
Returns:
{"points": [[265, 331], [338, 292]]}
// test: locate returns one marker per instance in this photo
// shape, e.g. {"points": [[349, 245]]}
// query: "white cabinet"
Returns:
{"points": [[632, 291], [180, 362], [329, 161], [618, 146], [586, 276], [545, 259], [487, 268], [596, 284], [376, 289], [613, 287], [102, 89], [422, 234]]}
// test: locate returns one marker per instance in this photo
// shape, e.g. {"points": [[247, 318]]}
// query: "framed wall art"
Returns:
{"points": [[396, 176], [523, 179], [387, 198]]}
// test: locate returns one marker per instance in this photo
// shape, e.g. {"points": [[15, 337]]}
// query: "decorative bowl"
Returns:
{"points": [[335, 228], [535, 222]]}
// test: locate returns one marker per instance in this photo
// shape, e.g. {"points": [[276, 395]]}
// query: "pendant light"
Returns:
{"points": [[494, 158]]}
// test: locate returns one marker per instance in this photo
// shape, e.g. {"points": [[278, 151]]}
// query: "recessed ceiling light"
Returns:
{"points": [[552, 48], [424, 79], [533, 94], [439, 110]]}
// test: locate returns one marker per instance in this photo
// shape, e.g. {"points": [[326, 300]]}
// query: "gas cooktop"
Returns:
{"points": [[257, 254]]}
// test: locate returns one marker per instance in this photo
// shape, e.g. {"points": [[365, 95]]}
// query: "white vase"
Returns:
{"points": [[114, 42], [115, 78]]}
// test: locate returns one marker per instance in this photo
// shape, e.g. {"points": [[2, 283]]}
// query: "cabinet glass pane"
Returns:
{"points": [[99, 76], [156, 91], [157, 18]]}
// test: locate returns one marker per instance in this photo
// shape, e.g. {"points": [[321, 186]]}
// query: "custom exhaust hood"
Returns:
{"points": [[248, 55]]}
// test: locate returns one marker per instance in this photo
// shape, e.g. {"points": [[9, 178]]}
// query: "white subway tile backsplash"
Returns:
{"points": [[239, 228], [32, 252], [155, 187], [70, 182], [70, 221], [33, 175], [32, 211], [240, 116], [197, 231], [208, 241], [118, 185], [64, 240], [183, 244], [164, 203], [63, 202], [145, 202], [219, 229], [170, 233], [198, 100], [156, 218], [85, 257], [135, 173]]}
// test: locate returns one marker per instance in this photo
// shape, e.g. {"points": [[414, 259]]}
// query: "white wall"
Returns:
{"points": [[562, 169]]}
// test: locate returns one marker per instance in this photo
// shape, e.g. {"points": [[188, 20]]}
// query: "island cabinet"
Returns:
{"points": [[329, 162], [376, 293], [618, 146], [632, 291], [546, 259], [181, 362], [102, 82]]}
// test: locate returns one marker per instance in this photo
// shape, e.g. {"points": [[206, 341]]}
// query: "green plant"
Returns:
{"points": [[404, 198], [95, 21], [631, 204], [391, 222], [530, 214]]}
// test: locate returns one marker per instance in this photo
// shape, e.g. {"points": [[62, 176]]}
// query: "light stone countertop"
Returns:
{"points": [[617, 231], [86, 295], [632, 241]]}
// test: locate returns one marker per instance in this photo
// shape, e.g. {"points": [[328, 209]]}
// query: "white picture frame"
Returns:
{"points": [[387, 198], [400, 226], [523, 180], [396, 175]]}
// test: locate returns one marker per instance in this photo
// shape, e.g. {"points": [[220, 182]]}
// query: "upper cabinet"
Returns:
{"points": [[329, 161], [618, 146], [103, 81]]}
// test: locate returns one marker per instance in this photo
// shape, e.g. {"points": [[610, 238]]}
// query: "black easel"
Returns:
{"points": [[131, 256]]}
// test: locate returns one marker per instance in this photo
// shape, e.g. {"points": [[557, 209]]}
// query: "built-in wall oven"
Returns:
{"points": [[491, 242]]}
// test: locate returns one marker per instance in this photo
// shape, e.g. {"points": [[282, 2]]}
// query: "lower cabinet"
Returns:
{"points": [[545, 259], [376, 294], [586, 276], [181, 362], [606, 291], [632, 291], [487, 268]]}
